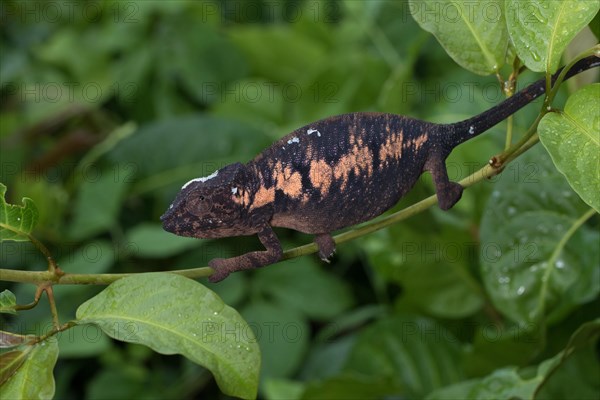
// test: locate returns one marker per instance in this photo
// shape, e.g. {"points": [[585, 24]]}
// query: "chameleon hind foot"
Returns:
{"points": [[448, 192], [326, 246]]}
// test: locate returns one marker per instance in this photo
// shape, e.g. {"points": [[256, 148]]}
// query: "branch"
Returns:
{"points": [[52, 267], [56, 276], [487, 171]]}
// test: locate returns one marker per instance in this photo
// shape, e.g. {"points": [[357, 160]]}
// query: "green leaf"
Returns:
{"points": [[93, 257], [124, 382], [10, 362], [83, 341], [434, 279], [279, 331], [349, 81], [9, 339], [16, 222], [97, 204], [203, 59], [532, 263], [572, 138], [472, 33], [595, 26], [233, 289], [416, 353], [262, 103], [576, 378], [572, 374], [351, 321], [585, 334], [494, 347], [289, 54], [508, 383], [352, 386], [176, 315], [151, 240], [505, 383], [302, 285], [275, 389], [34, 377], [541, 29], [8, 301], [195, 151], [92, 65], [51, 198], [326, 360]]}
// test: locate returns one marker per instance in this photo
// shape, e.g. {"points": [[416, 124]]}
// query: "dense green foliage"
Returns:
{"points": [[108, 107]]}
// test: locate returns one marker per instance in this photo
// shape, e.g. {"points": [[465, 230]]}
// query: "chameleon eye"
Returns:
{"points": [[197, 205]]}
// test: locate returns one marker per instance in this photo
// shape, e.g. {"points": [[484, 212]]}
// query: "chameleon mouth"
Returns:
{"points": [[167, 223], [170, 220], [189, 225], [167, 215]]}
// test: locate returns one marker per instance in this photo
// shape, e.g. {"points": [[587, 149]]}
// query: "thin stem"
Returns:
{"points": [[509, 132], [34, 277], [117, 135], [548, 100], [37, 277], [532, 141], [509, 89], [36, 300], [54, 331], [47, 287], [25, 307], [56, 276], [104, 279], [503, 158], [378, 37], [52, 266], [552, 93]]}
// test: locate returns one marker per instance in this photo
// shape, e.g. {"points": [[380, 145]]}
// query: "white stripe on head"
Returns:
{"points": [[204, 179]]}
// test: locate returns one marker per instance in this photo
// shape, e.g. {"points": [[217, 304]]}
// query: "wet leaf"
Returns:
{"points": [[176, 315], [8, 301], [532, 265], [472, 33], [572, 138], [541, 29], [34, 378], [16, 222]]}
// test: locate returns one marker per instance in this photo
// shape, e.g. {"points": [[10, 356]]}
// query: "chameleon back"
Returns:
{"points": [[342, 170]]}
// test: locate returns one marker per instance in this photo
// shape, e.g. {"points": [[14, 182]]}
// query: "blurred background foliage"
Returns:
{"points": [[107, 107]]}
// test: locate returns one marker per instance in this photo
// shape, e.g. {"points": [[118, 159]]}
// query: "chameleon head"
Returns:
{"points": [[208, 207]]}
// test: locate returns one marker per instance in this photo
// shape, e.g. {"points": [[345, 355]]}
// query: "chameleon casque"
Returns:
{"points": [[329, 175]]}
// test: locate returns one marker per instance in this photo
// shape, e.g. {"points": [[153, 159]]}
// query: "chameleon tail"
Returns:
{"points": [[459, 132]]}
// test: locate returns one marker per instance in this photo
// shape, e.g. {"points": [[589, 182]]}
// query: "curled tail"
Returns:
{"points": [[459, 132]]}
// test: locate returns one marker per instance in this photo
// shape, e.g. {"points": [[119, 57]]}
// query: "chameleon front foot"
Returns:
{"points": [[225, 266], [222, 267]]}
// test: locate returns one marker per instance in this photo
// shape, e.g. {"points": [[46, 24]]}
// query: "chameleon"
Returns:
{"points": [[329, 175]]}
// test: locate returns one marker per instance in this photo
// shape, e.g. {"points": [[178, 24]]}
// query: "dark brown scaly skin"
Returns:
{"points": [[329, 175]]}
